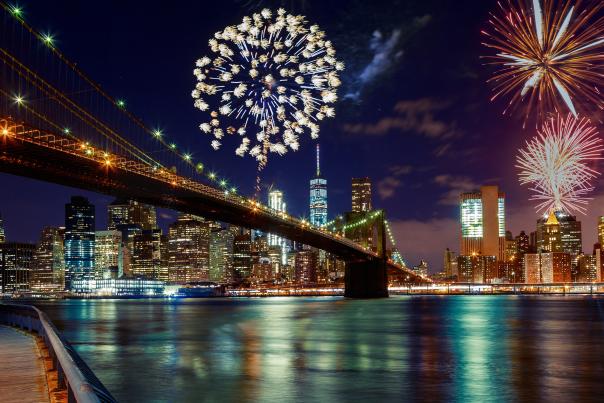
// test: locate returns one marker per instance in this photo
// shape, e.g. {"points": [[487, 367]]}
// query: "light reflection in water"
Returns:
{"points": [[456, 348]]}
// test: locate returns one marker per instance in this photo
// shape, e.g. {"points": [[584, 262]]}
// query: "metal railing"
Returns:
{"points": [[73, 374]]}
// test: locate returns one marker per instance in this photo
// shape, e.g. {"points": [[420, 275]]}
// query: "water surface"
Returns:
{"points": [[330, 349]]}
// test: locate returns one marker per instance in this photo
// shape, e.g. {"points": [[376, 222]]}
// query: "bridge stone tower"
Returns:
{"points": [[369, 278]]}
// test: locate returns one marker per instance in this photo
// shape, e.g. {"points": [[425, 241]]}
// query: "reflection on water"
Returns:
{"points": [[454, 348]]}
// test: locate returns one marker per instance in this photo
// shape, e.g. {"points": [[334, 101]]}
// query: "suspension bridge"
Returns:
{"points": [[60, 126]]}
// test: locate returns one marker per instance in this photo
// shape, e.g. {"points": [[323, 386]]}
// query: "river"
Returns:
{"points": [[331, 349]]}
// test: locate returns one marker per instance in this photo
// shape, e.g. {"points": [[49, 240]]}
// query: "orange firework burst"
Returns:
{"points": [[550, 55]]}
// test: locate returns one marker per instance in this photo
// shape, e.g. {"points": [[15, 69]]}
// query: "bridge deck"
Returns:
{"points": [[22, 374]]}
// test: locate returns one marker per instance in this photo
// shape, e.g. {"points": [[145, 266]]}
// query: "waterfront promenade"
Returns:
{"points": [[23, 376]]}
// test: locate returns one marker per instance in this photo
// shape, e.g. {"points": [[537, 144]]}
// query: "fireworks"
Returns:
{"points": [[550, 57], [556, 164], [268, 80]]}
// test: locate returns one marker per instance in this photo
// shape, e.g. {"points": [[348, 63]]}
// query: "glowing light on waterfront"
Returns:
{"points": [[556, 164], [268, 80], [549, 56]]}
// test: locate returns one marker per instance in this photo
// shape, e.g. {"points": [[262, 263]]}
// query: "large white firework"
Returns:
{"points": [[268, 80], [556, 164]]}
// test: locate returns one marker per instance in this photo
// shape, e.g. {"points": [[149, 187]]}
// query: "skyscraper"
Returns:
{"points": [[483, 222], [48, 265], [570, 234], [549, 238], [276, 202], [221, 256], [306, 267], [2, 236], [15, 265], [108, 256], [242, 256], [361, 195], [146, 255], [318, 197], [450, 264], [79, 240], [123, 212], [188, 249], [600, 230]]}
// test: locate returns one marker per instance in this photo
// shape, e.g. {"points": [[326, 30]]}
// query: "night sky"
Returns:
{"points": [[414, 112]]}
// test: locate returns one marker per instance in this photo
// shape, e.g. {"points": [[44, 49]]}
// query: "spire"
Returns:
{"points": [[552, 220], [318, 164]]}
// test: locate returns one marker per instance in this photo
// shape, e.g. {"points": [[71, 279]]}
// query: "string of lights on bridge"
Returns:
{"points": [[86, 148], [48, 40]]}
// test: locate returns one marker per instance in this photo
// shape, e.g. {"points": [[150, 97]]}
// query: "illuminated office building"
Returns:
{"points": [[547, 267], [569, 239], [15, 266], [131, 212], [242, 256], [600, 230], [306, 263], [361, 195], [318, 197], [146, 256], [79, 240], [221, 256], [188, 249], [483, 223], [2, 236], [108, 255], [276, 202], [450, 264], [48, 265]]}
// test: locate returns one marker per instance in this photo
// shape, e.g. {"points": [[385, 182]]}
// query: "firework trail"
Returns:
{"points": [[268, 80], [556, 162], [549, 55]]}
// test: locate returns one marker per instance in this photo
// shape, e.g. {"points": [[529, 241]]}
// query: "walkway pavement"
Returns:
{"points": [[22, 373]]}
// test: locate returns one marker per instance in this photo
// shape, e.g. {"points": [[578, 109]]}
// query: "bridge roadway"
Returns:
{"points": [[66, 161]]}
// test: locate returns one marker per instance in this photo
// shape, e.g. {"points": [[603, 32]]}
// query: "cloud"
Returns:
{"points": [[426, 240], [387, 187], [455, 185], [409, 116], [385, 52]]}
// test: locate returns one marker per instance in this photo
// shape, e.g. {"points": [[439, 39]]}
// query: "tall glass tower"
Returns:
{"points": [[276, 202], [318, 197], [79, 241], [2, 237]]}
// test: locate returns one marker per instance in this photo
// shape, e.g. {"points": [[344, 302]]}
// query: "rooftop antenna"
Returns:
{"points": [[318, 164]]}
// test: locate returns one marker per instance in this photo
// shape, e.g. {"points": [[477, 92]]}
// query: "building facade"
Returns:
{"points": [[48, 264], [79, 240], [108, 254], [277, 203], [146, 256], [306, 262], [483, 223], [15, 266], [188, 249], [221, 256], [361, 195]]}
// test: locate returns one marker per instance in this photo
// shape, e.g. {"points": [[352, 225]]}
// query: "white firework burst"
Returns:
{"points": [[556, 164], [271, 73]]}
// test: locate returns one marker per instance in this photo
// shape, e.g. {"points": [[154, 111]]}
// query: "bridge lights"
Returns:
{"points": [[120, 103], [157, 133], [187, 157], [48, 39], [19, 100], [212, 175], [16, 11]]}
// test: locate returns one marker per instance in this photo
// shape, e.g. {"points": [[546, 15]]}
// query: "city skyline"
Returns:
{"points": [[414, 187]]}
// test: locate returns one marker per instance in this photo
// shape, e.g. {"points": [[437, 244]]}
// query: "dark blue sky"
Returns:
{"points": [[414, 111]]}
